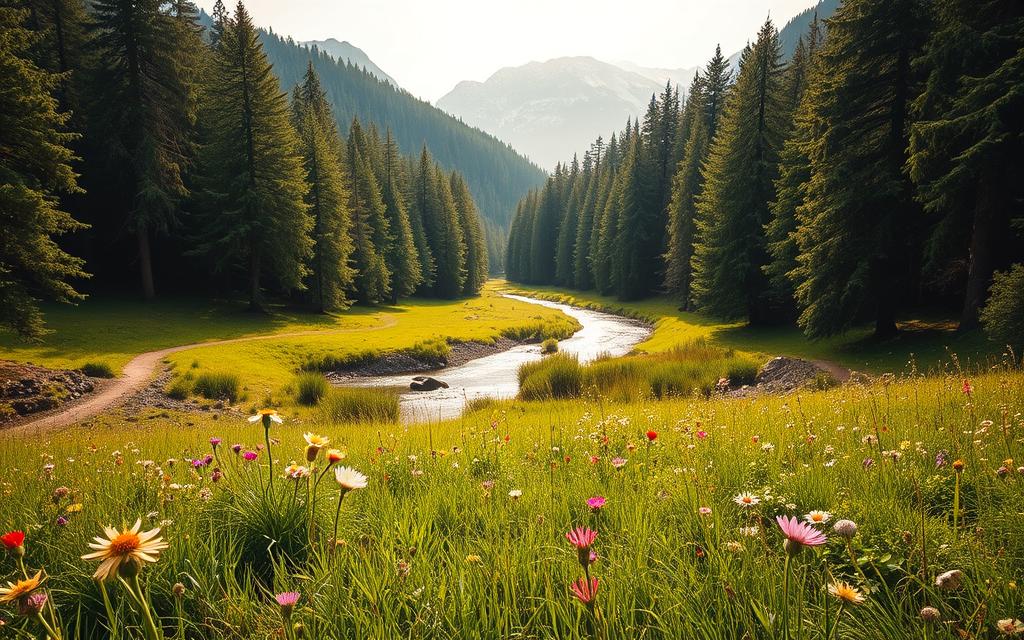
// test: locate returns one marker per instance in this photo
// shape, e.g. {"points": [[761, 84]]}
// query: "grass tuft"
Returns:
{"points": [[97, 370], [359, 405], [217, 386], [310, 388]]}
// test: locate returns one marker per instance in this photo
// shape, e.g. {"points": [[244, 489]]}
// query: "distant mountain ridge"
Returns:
{"points": [[550, 110], [346, 51], [544, 108]]}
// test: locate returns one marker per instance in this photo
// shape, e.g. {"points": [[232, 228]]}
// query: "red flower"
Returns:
{"points": [[13, 540], [652, 436], [967, 388]]}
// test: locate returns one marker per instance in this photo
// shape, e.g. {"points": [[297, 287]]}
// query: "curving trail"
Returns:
{"points": [[138, 373]]}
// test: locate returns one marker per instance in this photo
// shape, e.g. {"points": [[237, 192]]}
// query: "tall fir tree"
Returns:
{"points": [[794, 172], [402, 257], [967, 144], [35, 169], [473, 236], [566, 243], [705, 104], [371, 236], [585, 225], [253, 211], [739, 175], [854, 228], [423, 213], [448, 242], [143, 90], [331, 277]]}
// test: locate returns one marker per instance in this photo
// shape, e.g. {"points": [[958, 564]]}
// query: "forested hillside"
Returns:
{"points": [[179, 161], [497, 176], [875, 171]]}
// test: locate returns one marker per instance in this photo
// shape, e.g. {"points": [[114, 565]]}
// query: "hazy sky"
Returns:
{"points": [[430, 45]]}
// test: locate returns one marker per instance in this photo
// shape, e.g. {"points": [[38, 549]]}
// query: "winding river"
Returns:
{"points": [[495, 376]]}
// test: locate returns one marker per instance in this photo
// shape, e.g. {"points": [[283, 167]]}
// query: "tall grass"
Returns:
{"points": [[217, 385], [435, 547], [310, 388], [690, 368], [352, 404]]}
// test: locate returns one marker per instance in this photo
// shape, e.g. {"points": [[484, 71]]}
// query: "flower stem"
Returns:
{"points": [[49, 630], [956, 505], [785, 599], [337, 514], [110, 610], [835, 625], [151, 629], [270, 458]]}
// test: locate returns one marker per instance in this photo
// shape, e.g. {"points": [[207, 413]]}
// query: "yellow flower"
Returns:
{"points": [[126, 547], [266, 415], [473, 559], [74, 508], [17, 590], [846, 592]]}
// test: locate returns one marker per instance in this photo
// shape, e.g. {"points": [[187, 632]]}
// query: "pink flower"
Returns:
{"points": [[799, 535], [585, 592], [215, 442], [249, 456], [702, 434], [582, 538], [704, 511], [618, 463], [596, 503], [287, 602], [967, 389]]}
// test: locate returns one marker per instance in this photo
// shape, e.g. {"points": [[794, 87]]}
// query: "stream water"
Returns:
{"points": [[495, 376]]}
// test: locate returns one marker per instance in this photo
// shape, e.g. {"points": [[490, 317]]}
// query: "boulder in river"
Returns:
{"points": [[426, 383]]}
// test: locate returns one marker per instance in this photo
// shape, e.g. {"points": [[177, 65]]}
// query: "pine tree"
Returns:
{"points": [[402, 257], [704, 106], [582, 278], [854, 228], [253, 180], [423, 212], [966, 147], [371, 235], [144, 90], [794, 172], [62, 46], [448, 242], [473, 237], [565, 246], [639, 226], [35, 167], [331, 275], [739, 175], [545, 229]]}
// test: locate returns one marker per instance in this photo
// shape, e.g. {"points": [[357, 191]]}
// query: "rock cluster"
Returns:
{"points": [[26, 389], [783, 374]]}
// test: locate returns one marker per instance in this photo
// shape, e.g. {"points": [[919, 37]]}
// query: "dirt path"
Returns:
{"points": [[138, 373], [839, 372]]}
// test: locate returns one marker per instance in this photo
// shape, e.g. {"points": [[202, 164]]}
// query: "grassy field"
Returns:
{"points": [[930, 341], [112, 332], [460, 532]]}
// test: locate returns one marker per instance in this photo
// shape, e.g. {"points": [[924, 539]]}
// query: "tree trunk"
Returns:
{"points": [[885, 320], [254, 280], [145, 263], [981, 266]]}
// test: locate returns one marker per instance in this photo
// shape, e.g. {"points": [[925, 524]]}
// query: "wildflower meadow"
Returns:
{"points": [[892, 510]]}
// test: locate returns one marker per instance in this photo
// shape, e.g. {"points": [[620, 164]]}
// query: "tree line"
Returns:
{"points": [[878, 168], [127, 117]]}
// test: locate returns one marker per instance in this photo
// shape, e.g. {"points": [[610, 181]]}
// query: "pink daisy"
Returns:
{"points": [[799, 535], [596, 503]]}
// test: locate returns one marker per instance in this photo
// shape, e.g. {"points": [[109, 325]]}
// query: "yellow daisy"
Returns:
{"points": [[122, 547], [17, 590], [846, 592], [316, 441]]}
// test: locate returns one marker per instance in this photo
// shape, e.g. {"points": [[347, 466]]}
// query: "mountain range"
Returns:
{"points": [[553, 109], [348, 52]]}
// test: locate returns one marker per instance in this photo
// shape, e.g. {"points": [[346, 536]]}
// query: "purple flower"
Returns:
{"points": [[237, 448], [61, 521], [941, 458], [208, 459], [215, 442], [32, 604], [198, 464], [216, 475], [287, 602], [868, 463], [249, 456]]}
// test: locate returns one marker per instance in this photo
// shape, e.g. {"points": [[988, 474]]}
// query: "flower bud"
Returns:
{"points": [[32, 604], [178, 590], [929, 614], [130, 568], [299, 629]]}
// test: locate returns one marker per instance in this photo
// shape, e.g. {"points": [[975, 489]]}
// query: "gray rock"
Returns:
{"points": [[426, 383]]}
